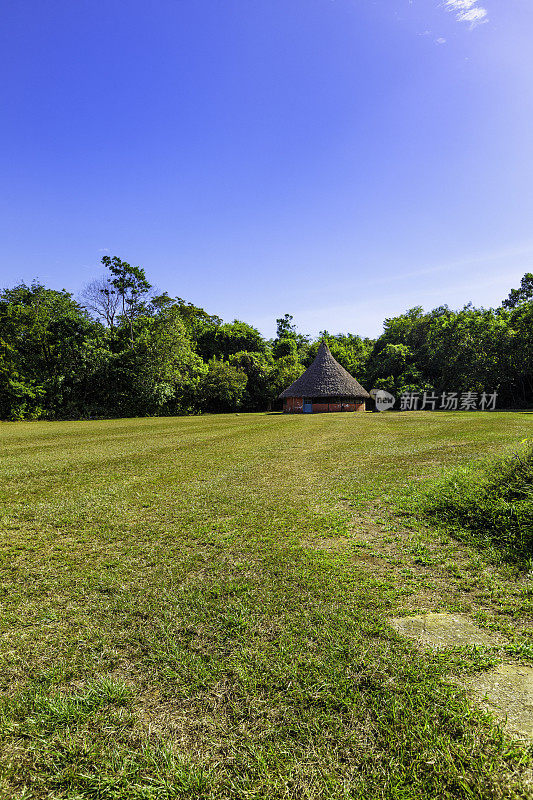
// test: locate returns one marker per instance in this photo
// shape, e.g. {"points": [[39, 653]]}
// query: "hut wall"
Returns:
{"points": [[293, 405], [338, 405], [319, 408]]}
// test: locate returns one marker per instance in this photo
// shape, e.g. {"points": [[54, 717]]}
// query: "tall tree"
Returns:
{"points": [[159, 374], [284, 327], [521, 295], [285, 330], [131, 286], [257, 368], [222, 341], [50, 349], [223, 386], [101, 299]]}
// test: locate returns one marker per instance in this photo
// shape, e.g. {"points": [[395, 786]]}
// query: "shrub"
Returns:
{"points": [[222, 387], [490, 504]]}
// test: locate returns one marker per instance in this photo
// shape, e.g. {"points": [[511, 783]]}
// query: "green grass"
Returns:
{"points": [[197, 607], [489, 503]]}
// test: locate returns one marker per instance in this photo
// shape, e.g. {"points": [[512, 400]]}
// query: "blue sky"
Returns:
{"points": [[339, 160]]}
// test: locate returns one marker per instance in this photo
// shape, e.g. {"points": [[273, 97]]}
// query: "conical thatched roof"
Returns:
{"points": [[325, 378]]}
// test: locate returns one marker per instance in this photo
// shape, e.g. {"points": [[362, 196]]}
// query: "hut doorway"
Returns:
{"points": [[308, 405]]}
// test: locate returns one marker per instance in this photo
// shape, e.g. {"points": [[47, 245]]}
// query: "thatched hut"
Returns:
{"points": [[324, 386]]}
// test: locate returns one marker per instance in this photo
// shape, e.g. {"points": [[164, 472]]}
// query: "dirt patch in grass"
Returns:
{"points": [[434, 571]]}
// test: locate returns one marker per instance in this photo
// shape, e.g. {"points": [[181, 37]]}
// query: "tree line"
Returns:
{"points": [[123, 349]]}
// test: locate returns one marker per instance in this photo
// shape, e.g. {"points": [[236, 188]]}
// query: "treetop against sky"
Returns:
{"points": [[342, 160]]}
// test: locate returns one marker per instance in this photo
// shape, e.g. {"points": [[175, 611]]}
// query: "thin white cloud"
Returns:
{"points": [[440, 40], [467, 11], [460, 5], [474, 16]]}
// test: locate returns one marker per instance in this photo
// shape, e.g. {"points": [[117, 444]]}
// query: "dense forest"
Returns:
{"points": [[122, 349]]}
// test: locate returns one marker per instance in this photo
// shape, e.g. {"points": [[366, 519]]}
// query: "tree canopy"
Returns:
{"points": [[124, 349]]}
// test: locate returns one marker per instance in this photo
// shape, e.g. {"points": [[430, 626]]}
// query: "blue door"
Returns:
{"points": [[308, 405]]}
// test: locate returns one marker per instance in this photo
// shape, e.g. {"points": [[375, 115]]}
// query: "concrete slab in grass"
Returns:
{"points": [[444, 630], [507, 693]]}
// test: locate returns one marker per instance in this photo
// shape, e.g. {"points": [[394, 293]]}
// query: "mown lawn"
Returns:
{"points": [[198, 607]]}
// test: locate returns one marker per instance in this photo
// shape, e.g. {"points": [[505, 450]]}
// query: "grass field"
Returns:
{"points": [[197, 607]]}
